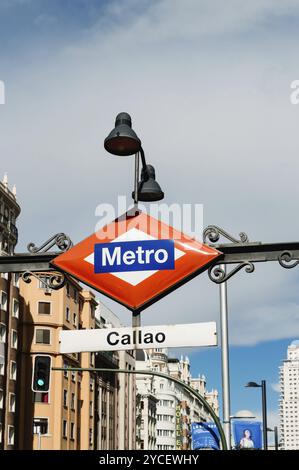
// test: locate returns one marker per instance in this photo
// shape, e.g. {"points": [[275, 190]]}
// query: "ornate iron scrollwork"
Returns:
{"points": [[212, 233], [61, 240], [50, 281], [287, 261], [219, 275]]}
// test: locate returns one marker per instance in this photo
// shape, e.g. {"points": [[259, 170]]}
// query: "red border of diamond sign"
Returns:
{"points": [[137, 291]]}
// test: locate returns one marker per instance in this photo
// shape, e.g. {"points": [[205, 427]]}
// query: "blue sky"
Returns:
{"points": [[208, 88]]}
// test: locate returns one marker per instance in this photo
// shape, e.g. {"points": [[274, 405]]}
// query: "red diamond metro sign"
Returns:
{"points": [[136, 260]]}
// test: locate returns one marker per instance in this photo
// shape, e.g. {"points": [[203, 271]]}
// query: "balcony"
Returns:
{"points": [[159, 356], [106, 359], [9, 227]]}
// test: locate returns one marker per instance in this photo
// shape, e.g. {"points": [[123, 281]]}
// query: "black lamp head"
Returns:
{"points": [[148, 188], [252, 384], [122, 140]]}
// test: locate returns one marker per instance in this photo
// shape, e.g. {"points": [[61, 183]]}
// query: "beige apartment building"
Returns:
{"points": [[83, 410], [64, 417], [9, 320]]}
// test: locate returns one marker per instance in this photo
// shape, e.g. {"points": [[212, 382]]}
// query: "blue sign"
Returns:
{"points": [[205, 436], [143, 255], [247, 434]]}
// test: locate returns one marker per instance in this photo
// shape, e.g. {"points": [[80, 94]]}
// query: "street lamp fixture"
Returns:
{"points": [[148, 188], [123, 141], [252, 384], [262, 385]]}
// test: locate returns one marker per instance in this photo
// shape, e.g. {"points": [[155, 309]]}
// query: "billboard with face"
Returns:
{"points": [[247, 434]]}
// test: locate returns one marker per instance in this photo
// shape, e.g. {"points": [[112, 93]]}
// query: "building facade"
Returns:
{"points": [[9, 320], [63, 418], [126, 384], [107, 391], [176, 408], [146, 407], [289, 398]]}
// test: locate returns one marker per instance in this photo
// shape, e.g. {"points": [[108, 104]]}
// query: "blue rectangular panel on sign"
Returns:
{"points": [[143, 255]]}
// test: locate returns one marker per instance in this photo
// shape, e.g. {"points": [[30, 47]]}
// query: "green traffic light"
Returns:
{"points": [[41, 382]]}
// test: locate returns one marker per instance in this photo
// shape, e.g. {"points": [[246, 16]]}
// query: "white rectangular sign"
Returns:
{"points": [[145, 337]]}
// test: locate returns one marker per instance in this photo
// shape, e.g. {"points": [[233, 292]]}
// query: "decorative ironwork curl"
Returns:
{"points": [[213, 233], [218, 275], [287, 261], [50, 281], [61, 240]]}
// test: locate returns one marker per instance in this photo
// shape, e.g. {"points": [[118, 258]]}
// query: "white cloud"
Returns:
{"points": [[177, 20], [275, 387]]}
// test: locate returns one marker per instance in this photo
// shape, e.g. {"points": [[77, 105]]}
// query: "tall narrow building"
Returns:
{"points": [[9, 319], [289, 398]]}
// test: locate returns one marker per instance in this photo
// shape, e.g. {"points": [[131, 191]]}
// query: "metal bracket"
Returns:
{"points": [[52, 281], [285, 260], [218, 275], [61, 240], [213, 233], [215, 272]]}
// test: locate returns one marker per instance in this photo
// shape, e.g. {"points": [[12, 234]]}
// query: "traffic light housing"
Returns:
{"points": [[41, 374]]}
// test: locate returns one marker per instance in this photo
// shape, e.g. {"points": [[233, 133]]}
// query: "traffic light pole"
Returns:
{"points": [[185, 386]]}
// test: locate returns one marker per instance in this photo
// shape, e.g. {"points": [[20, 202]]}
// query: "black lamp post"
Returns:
{"points": [[262, 385], [123, 141], [275, 430]]}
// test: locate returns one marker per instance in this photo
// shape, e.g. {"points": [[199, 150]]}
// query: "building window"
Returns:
{"points": [[42, 336], [40, 426], [90, 437], [2, 368], [67, 289], [2, 333], [13, 370], [41, 397], [75, 319], [16, 279], [73, 401], [91, 384], [15, 308], [64, 429], [14, 339], [43, 283], [65, 398], [3, 300], [72, 431], [75, 295], [73, 375], [65, 372], [67, 314], [11, 435], [91, 409], [12, 402], [1, 399], [44, 308]]}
